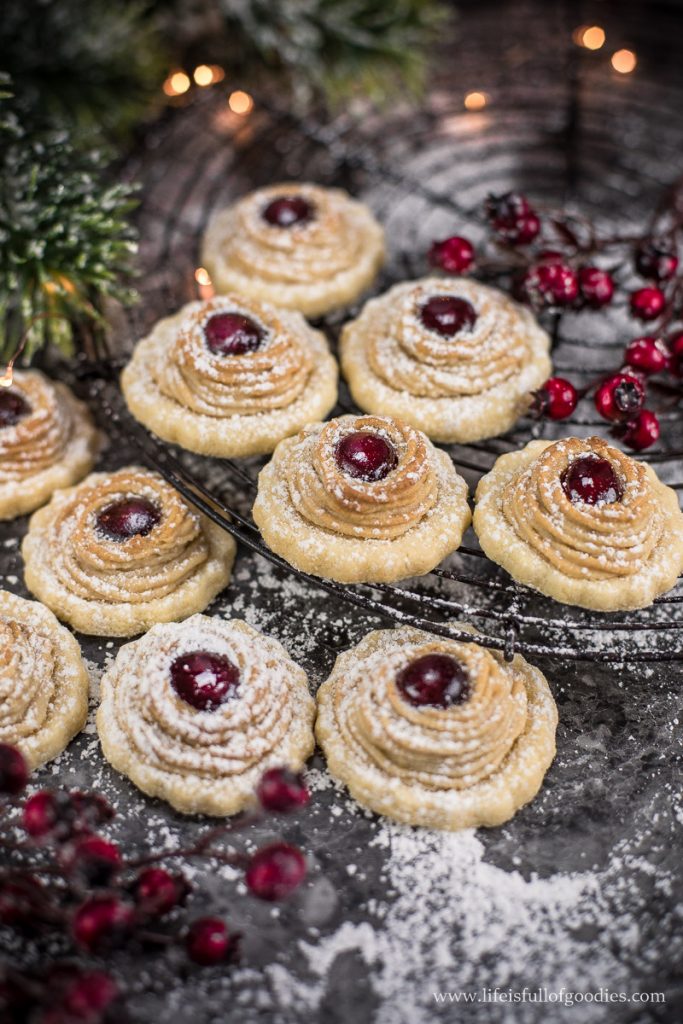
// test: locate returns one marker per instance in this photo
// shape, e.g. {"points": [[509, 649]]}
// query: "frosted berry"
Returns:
{"points": [[591, 480], [647, 354], [642, 431], [620, 397], [434, 680], [647, 303], [21, 897], [448, 315], [89, 995], [13, 407], [550, 284], [556, 400], [675, 343], [454, 255], [596, 287], [275, 871], [130, 517], [282, 790], [208, 942], [157, 891], [204, 680], [232, 334], [513, 218], [92, 859], [13, 770], [286, 211], [41, 813], [101, 923], [656, 260], [365, 456]]}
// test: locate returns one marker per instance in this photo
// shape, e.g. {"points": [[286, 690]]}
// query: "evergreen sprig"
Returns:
{"points": [[66, 242]]}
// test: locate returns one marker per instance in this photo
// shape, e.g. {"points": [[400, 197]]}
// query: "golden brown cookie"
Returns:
{"points": [[434, 732], [122, 551], [47, 440], [453, 357], [298, 246], [361, 499], [583, 523], [43, 681], [230, 377], [195, 712]]}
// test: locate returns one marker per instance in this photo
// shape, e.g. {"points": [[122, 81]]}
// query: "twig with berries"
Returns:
{"points": [[68, 883], [547, 262]]}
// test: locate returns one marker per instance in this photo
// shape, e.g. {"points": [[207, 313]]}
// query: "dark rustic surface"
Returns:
{"points": [[583, 887]]}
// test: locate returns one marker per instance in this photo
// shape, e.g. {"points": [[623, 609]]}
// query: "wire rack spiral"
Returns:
{"points": [[404, 169]]}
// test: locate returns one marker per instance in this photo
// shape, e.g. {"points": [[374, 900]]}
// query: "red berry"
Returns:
{"points": [[93, 859], [620, 397], [41, 813], [89, 994], [513, 218], [282, 790], [647, 303], [656, 260], [365, 456], [454, 255], [556, 400], [596, 286], [550, 284], [275, 871], [208, 942], [100, 923], [157, 891], [675, 343], [21, 897], [642, 431], [647, 354], [434, 680], [13, 770]]}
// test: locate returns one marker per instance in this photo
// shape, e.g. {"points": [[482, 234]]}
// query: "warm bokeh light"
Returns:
{"points": [[476, 100], [217, 73], [176, 84], [7, 378], [240, 102], [203, 75], [624, 61], [592, 37]]}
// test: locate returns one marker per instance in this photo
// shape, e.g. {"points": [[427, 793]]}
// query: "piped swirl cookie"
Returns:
{"points": [[122, 551], [452, 357], [583, 523], [43, 681], [434, 732], [230, 377], [47, 440], [299, 246], [195, 712], [361, 498]]}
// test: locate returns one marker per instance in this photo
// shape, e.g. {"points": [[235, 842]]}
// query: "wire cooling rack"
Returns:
{"points": [[425, 176]]}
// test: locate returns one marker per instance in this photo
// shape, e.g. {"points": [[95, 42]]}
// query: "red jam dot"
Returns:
{"points": [[131, 517], [366, 456], [12, 408], [448, 315], [434, 680], [204, 680], [593, 481], [286, 211], [232, 334]]}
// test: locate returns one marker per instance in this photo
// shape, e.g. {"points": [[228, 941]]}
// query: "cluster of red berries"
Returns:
{"points": [[99, 899], [549, 279]]}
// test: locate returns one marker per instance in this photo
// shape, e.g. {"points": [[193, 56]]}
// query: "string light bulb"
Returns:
{"points": [[591, 37], [203, 279], [476, 100], [176, 84], [624, 61], [203, 75], [7, 378], [240, 102]]}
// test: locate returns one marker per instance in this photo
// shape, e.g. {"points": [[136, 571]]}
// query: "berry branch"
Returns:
{"points": [[548, 263], [88, 894]]}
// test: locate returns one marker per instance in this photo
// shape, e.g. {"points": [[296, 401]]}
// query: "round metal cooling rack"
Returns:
{"points": [[407, 173]]}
